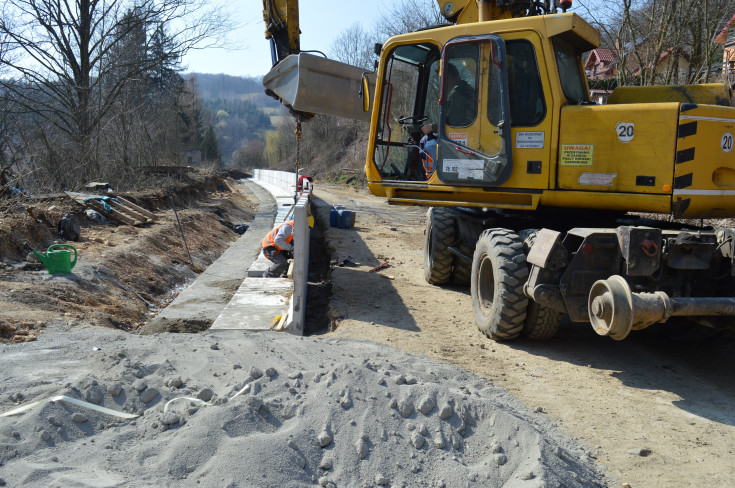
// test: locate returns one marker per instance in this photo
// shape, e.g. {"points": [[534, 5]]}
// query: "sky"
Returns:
{"points": [[321, 22]]}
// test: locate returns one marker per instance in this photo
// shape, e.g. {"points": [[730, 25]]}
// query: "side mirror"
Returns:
{"points": [[365, 93]]}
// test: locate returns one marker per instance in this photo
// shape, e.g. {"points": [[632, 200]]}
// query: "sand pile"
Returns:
{"points": [[234, 409]]}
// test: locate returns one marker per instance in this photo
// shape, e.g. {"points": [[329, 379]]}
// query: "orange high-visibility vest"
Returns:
{"points": [[270, 238]]}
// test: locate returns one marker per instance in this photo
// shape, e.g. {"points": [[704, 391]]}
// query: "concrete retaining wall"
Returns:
{"points": [[278, 183]]}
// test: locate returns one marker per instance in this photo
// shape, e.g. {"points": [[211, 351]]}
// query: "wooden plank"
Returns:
{"points": [[128, 211], [112, 213], [138, 209]]}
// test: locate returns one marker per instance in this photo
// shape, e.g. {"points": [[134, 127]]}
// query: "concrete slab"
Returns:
{"points": [[257, 303], [199, 305], [259, 267]]}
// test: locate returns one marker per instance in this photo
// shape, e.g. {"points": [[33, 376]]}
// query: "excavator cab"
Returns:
{"points": [[463, 92]]}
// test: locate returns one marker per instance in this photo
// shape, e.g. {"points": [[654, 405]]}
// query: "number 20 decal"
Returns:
{"points": [[626, 131], [726, 142]]}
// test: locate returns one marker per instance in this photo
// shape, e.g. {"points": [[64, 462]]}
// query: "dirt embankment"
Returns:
{"points": [[124, 274]]}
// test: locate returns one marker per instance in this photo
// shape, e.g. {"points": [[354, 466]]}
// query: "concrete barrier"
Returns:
{"points": [[282, 185]]}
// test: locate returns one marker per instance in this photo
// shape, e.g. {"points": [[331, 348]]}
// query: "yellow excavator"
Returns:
{"points": [[538, 196]]}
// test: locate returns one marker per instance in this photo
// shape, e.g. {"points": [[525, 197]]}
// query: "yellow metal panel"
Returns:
{"points": [[627, 149], [607, 201], [572, 24], [712, 93], [704, 177]]}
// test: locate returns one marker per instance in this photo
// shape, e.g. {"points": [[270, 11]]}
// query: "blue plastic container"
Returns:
{"points": [[341, 218]]}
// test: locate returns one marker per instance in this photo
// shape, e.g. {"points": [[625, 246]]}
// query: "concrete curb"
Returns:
{"points": [[201, 303]]}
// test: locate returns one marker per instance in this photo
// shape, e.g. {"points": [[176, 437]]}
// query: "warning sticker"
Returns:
{"points": [[599, 179], [466, 169], [459, 137], [577, 154], [529, 140]]}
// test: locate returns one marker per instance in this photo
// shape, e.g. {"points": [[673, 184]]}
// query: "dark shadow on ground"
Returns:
{"points": [[388, 309]]}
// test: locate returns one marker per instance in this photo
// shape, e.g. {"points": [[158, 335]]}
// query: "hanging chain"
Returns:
{"points": [[298, 157]]}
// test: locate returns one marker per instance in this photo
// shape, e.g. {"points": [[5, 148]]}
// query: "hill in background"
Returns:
{"points": [[239, 110]]}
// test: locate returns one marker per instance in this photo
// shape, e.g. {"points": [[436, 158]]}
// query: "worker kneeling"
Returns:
{"points": [[278, 248]]}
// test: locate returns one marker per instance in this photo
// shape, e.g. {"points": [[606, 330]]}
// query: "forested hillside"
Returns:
{"points": [[240, 112]]}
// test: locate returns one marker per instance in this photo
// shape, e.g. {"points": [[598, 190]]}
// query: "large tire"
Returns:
{"points": [[541, 322], [462, 270], [499, 272], [439, 236]]}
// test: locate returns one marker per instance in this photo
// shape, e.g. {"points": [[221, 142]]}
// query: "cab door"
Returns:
{"points": [[474, 128]]}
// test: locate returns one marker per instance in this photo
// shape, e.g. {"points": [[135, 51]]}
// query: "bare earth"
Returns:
{"points": [[671, 401]]}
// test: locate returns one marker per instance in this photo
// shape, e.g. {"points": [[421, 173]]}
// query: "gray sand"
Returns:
{"points": [[312, 412]]}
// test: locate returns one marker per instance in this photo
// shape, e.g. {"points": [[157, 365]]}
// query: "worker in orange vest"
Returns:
{"points": [[278, 248]]}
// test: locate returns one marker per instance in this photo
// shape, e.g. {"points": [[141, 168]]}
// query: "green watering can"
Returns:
{"points": [[56, 260]]}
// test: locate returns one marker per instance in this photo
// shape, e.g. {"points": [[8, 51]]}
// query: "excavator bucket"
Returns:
{"points": [[317, 85]]}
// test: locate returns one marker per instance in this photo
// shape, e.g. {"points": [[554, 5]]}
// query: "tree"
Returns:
{"points": [[660, 41], [210, 148], [72, 74], [354, 46]]}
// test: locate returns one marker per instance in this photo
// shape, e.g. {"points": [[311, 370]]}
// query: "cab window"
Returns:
{"points": [[409, 99], [460, 89], [570, 72], [527, 105]]}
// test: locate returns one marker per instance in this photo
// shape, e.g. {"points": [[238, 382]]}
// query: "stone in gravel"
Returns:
{"points": [[362, 448], [270, 372], [254, 402], [527, 476], [426, 405], [214, 347], [405, 407], [292, 445], [326, 463], [293, 375], [256, 373], [496, 447], [45, 435], [439, 441], [381, 480], [94, 394], [79, 418], [501, 459], [445, 412], [236, 366], [170, 418], [400, 379], [423, 430], [175, 382], [205, 394], [114, 389], [53, 421], [148, 395], [140, 385], [346, 401], [324, 438], [417, 440], [393, 403], [323, 481], [410, 380], [639, 452]]}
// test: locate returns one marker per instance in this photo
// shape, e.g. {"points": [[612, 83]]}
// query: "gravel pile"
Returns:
{"points": [[238, 409]]}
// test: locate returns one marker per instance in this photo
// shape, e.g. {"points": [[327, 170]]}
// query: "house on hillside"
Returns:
{"points": [[600, 64], [727, 39]]}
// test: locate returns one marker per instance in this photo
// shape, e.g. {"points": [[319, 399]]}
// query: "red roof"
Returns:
{"points": [[722, 36]]}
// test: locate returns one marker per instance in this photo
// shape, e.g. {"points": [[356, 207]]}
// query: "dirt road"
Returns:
{"points": [[657, 413]]}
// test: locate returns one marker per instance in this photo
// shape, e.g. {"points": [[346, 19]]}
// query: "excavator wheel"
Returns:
{"points": [[439, 236], [541, 322], [499, 272], [462, 270]]}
